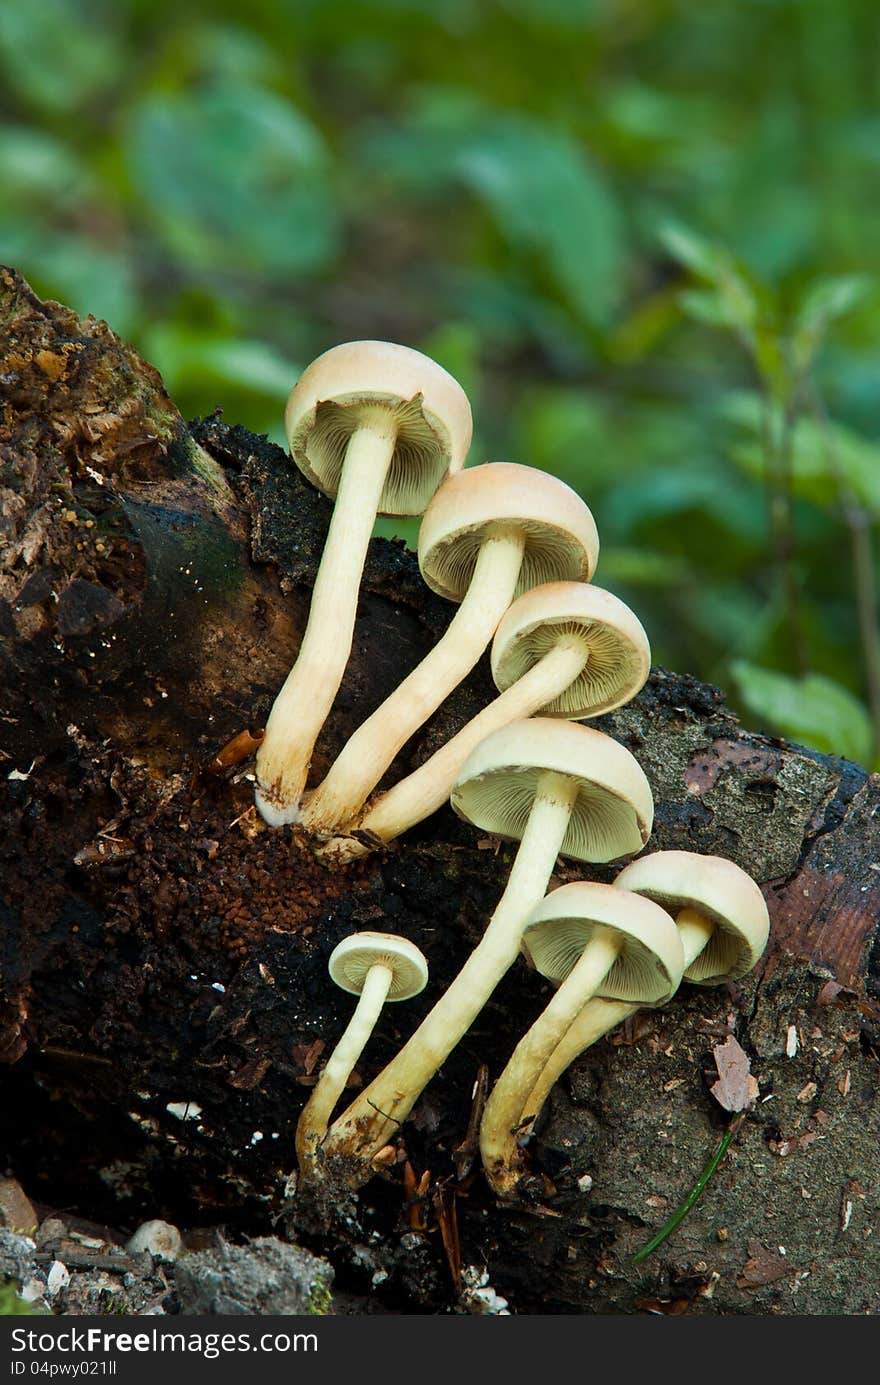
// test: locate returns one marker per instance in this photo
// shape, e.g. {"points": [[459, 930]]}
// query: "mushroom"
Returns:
{"points": [[378, 426], [566, 649], [723, 921], [489, 534], [556, 787], [375, 967], [594, 940]]}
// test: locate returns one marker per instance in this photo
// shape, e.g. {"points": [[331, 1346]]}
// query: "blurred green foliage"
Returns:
{"points": [[641, 233]]}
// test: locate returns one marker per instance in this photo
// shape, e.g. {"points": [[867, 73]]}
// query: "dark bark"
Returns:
{"points": [[157, 947]]}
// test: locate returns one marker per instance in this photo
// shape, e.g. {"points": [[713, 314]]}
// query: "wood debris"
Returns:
{"points": [[736, 1088], [763, 1267]]}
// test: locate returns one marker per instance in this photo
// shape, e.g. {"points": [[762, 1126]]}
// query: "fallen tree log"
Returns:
{"points": [[164, 1002]]}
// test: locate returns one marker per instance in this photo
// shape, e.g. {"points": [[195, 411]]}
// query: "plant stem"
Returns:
{"points": [[778, 458], [858, 525], [681, 1212]]}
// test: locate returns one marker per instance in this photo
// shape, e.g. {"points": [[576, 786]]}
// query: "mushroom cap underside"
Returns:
{"points": [[360, 382], [618, 656], [351, 960], [649, 965], [497, 786], [561, 539], [719, 890]]}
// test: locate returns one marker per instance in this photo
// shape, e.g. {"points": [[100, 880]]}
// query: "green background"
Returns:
{"points": [[642, 233]]}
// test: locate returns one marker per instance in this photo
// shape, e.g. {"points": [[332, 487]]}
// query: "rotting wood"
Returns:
{"points": [[159, 950]]}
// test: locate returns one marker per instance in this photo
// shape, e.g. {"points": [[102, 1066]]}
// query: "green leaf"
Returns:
{"points": [[237, 179], [731, 298], [827, 459], [55, 57], [813, 709], [643, 567], [549, 198], [191, 359], [14, 1307], [546, 196], [76, 271], [824, 302]]}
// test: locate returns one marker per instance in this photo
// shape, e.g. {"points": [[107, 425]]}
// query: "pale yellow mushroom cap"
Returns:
{"points": [[650, 962], [561, 540], [351, 960], [339, 390], [497, 785], [716, 888], [618, 657]]}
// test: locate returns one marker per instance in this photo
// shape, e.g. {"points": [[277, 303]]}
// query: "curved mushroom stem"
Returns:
{"points": [[312, 1125], [305, 699], [501, 1118], [428, 788], [599, 1016], [381, 1107], [365, 758]]}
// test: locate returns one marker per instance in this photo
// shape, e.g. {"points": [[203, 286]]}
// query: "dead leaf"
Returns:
{"points": [[416, 1191], [307, 1055], [762, 1267], [736, 1088], [250, 1075], [829, 993], [445, 1210]]}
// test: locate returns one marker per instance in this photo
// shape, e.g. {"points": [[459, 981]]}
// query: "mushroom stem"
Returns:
{"points": [[428, 787], [377, 1112], [598, 1017], [502, 1117], [365, 758], [312, 1126], [302, 705]]}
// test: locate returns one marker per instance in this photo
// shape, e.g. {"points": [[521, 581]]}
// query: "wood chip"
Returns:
{"points": [[235, 751]]}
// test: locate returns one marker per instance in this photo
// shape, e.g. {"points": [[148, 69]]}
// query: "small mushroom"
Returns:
{"points": [[489, 534], [375, 967], [378, 426], [555, 787], [566, 649], [724, 925], [591, 940]]}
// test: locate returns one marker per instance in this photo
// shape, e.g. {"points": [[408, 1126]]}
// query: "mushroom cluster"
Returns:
{"points": [[385, 430]]}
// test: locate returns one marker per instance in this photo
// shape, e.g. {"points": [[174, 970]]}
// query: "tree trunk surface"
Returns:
{"points": [[164, 1000]]}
